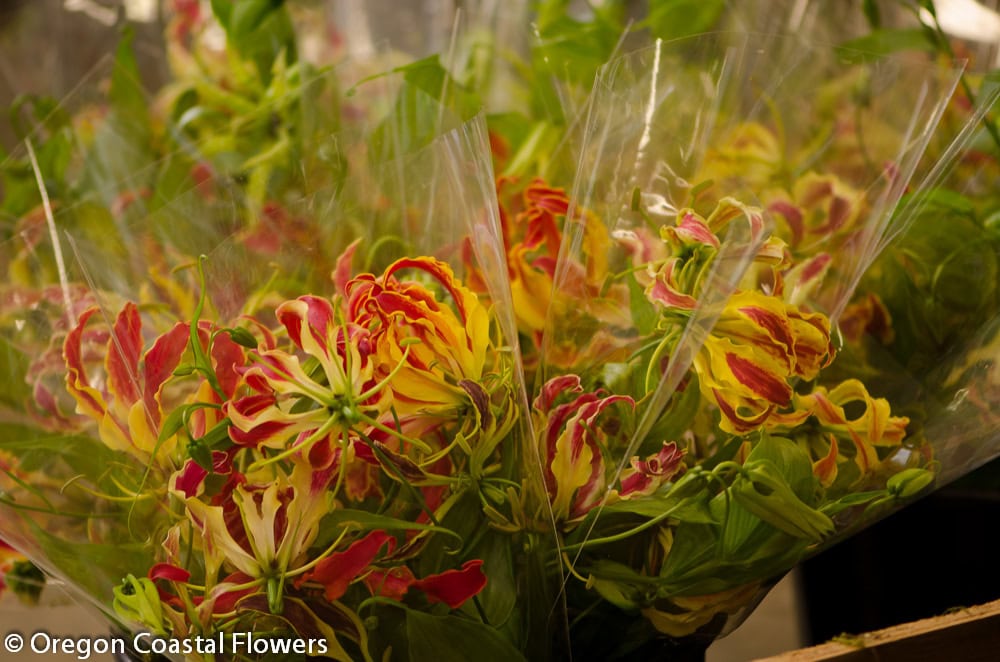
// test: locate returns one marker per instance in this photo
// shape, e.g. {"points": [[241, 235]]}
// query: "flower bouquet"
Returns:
{"points": [[291, 373]]}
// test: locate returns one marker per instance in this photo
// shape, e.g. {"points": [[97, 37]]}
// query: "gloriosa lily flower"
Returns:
{"points": [[758, 347], [571, 440], [126, 398], [867, 316], [874, 428], [425, 344], [127, 404], [819, 208], [760, 344], [644, 477], [532, 237], [747, 157], [357, 563], [264, 528], [278, 381]]}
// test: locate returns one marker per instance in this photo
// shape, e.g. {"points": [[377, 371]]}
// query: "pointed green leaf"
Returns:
{"points": [[456, 639]]}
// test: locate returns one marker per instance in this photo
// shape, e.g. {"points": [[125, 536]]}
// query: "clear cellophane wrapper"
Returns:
{"points": [[251, 347], [704, 415]]}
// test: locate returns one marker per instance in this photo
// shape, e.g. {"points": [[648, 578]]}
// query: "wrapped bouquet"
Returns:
{"points": [[310, 356]]}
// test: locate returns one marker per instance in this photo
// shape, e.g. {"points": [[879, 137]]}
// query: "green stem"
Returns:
{"points": [[296, 448], [624, 534]]}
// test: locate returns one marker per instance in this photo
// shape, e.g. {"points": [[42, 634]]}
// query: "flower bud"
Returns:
{"points": [[909, 482]]}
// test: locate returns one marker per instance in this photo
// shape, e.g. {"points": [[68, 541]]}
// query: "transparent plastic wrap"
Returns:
{"points": [[700, 436], [262, 378], [282, 357]]}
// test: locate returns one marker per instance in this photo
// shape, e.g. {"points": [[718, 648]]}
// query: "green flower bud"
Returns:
{"points": [[909, 482], [137, 600], [762, 490]]}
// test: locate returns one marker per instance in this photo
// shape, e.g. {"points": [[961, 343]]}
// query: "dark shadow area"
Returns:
{"points": [[935, 555]]}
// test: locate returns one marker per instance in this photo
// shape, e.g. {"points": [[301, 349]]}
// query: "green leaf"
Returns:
{"points": [[763, 490], [499, 596], [940, 198], [691, 509], [644, 313], [675, 418], [259, 30], [332, 523], [792, 462], [222, 9], [247, 16], [880, 43], [673, 19], [908, 483], [463, 520], [20, 189], [201, 455], [126, 92], [872, 13], [694, 544], [965, 279], [549, 11], [218, 436], [93, 567], [572, 50], [34, 449], [95, 224], [13, 388], [739, 529], [535, 145], [172, 181], [172, 423], [429, 102], [456, 639]]}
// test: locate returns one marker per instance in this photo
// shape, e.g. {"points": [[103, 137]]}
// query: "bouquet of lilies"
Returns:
{"points": [[314, 358]]}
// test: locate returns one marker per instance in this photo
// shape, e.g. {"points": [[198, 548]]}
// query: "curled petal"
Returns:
{"points": [[169, 572], [826, 467], [310, 323], [337, 571], [869, 315], [122, 359], [158, 365], [227, 359], [690, 229], [278, 371], [223, 597], [666, 292], [454, 587], [645, 476], [450, 347], [392, 583], [765, 383], [874, 427], [575, 466], [803, 279], [190, 479], [89, 400], [554, 388], [257, 421], [342, 270]]}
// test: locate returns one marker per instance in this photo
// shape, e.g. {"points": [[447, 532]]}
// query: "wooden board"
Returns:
{"points": [[969, 635]]}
